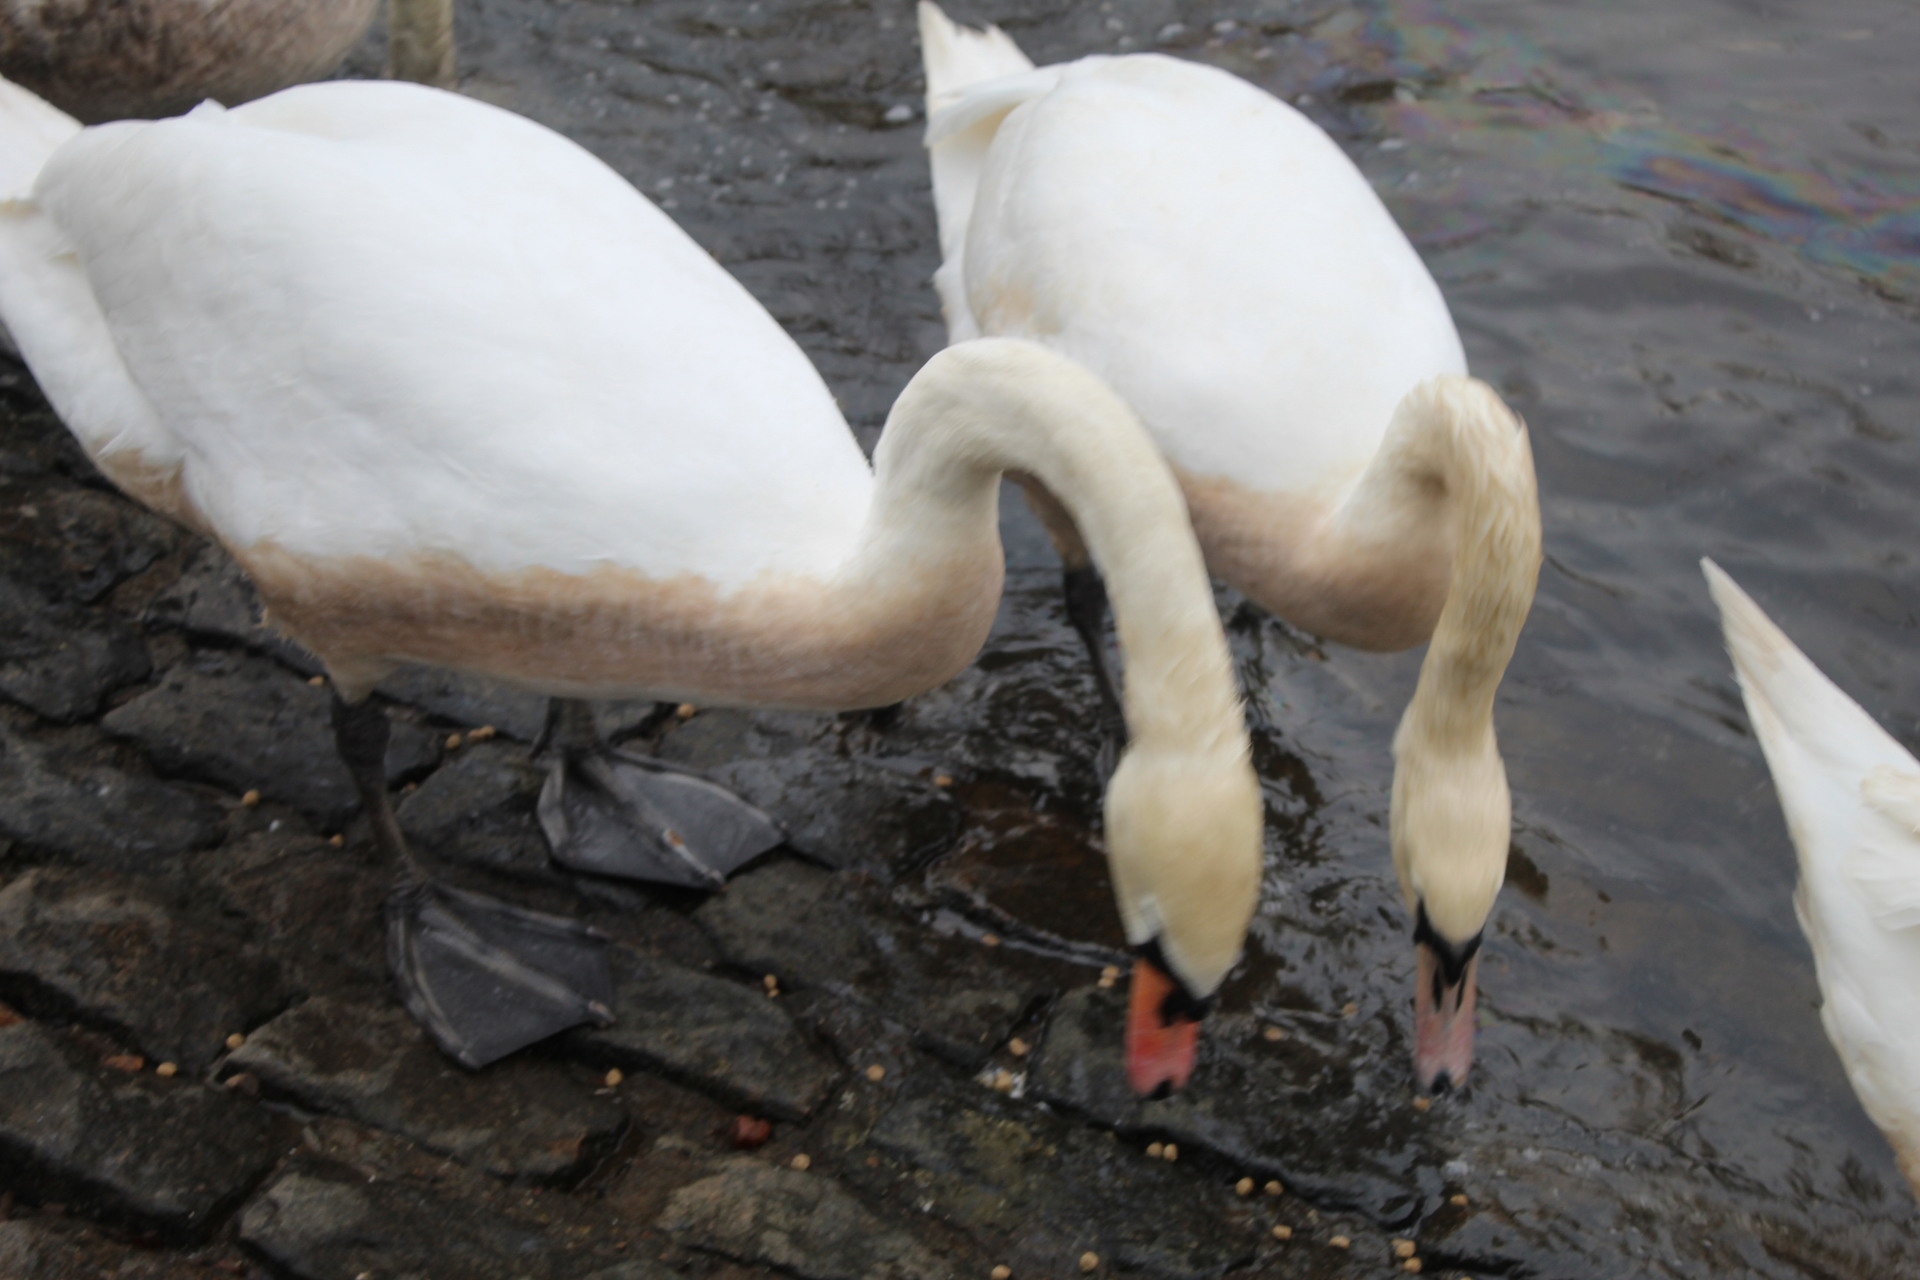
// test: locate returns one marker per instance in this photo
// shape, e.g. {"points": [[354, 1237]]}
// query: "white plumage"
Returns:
{"points": [[214, 270], [1143, 215], [1851, 796]]}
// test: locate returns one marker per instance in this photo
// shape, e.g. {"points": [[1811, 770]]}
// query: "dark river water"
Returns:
{"points": [[1683, 239]]}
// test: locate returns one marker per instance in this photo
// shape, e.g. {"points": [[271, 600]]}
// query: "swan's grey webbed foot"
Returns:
{"points": [[1086, 596], [613, 813], [482, 977], [485, 978]]}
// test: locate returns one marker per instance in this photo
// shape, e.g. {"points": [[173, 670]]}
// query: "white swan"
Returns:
{"points": [[1851, 795], [453, 392], [1216, 258], [150, 58]]}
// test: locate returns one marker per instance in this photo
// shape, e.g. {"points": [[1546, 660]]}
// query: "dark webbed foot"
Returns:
{"points": [[616, 814], [486, 979], [482, 977]]}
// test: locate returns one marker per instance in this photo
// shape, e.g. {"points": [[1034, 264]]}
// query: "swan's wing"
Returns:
{"points": [[45, 297], [383, 320], [973, 79], [32, 129], [1851, 796], [1211, 253], [1886, 865]]}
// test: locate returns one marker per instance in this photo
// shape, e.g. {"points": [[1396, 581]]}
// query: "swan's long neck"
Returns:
{"points": [[991, 406], [1183, 809], [1453, 435], [1458, 463]]}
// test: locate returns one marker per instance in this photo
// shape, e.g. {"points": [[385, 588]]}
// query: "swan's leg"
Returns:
{"points": [[617, 814], [1086, 598], [484, 978]]}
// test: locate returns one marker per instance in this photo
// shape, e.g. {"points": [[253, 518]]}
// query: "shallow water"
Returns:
{"points": [[1684, 240]]}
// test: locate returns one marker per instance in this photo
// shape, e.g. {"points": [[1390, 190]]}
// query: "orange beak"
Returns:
{"points": [[1442, 1022], [1161, 1046]]}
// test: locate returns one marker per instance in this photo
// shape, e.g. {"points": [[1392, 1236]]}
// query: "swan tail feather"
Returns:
{"points": [[1851, 793], [31, 129], [957, 57], [50, 318], [967, 72]]}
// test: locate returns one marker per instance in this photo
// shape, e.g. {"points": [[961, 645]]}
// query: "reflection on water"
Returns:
{"points": [[1853, 225]]}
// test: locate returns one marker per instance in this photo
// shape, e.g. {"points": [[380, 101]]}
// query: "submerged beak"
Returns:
{"points": [[1442, 1021], [1163, 1032]]}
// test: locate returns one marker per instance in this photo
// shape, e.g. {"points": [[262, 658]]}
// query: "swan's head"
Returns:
{"points": [[1183, 834], [1451, 822]]}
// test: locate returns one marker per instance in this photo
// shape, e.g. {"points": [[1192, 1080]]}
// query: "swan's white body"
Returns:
{"points": [[453, 392], [1851, 796], [589, 431], [1170, 222], [1211, 253]]}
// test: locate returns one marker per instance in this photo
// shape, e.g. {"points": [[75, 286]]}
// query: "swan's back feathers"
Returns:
{"points": [[381, 320], [1851, 796], [1203, 247]]}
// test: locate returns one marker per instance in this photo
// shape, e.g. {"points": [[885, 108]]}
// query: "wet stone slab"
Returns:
{"points": [[322, 906], [802, 1222], [213, 600], [723, 1038], [245, 723], [837, 808], [61, 1249], [838, 932], [319, 1220], [1287, 1109], [360, 1056], [356, 1202], [60, 662], [124, 955], [1038, 1191], [64, 797], [469, 700], [478, 809], [164, 1154], [76, 544]]}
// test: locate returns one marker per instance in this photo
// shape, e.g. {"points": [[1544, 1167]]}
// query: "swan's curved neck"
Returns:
{"points": [[984, 408], [1455, 435]]}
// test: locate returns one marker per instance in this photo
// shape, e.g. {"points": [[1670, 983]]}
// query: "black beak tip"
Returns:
{"points": [[1161, 1092]]}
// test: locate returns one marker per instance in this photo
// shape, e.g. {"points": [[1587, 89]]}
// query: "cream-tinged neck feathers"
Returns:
{"points": [[1183, 812], [1459, 455]]}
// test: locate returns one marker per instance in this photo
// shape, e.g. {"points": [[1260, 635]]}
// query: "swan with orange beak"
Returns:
{"points": [[1212, 254]]}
